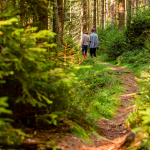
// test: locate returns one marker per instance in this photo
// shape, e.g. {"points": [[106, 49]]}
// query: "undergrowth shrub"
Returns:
{"points": [[112, 42], [139, 120], [136, 57]]}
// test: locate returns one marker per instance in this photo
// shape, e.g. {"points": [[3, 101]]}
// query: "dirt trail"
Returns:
{"points": [[115, 130]]}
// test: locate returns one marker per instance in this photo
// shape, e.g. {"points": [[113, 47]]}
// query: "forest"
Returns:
{"points": [[53, 98]]}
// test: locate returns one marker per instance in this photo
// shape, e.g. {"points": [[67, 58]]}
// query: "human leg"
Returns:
{"points": [[94, 52], [85, 51], [91, 52]]}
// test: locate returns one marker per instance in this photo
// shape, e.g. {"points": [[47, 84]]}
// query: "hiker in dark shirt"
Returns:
{"points": [[93, 43]]}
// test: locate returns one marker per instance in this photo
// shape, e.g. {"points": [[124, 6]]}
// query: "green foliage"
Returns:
{"points": [[43, 83], [68, 40], [139, 119], [94, 98], [81, 133], [112, 42], [136, 57], [8, 135], [136, 33]]}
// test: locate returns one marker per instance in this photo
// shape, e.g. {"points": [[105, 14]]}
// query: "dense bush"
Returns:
{"points": [[114, 43]]}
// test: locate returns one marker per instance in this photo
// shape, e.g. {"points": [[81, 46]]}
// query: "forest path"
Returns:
{"points": [[114, 131]]}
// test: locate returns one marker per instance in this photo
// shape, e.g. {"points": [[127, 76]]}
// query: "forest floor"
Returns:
{"points": [[114, 131]]}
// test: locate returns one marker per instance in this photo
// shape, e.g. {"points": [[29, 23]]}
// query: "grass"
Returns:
{"points": [[104, 88], [99, 96]]}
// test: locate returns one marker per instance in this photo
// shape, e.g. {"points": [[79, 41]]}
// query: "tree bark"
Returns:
{"points": [[113, 12], [144, 1], [128, 13], [88, 15], [61, 18], [56, 23], [121, 14], [21, 12], [81, 18], [102, 14], [94, 15], [84, 16], [43, 16], [14, 3], [106, 11], [135, 6], [97, 13]]}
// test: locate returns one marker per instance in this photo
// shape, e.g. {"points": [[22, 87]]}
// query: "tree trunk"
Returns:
{"points": [[54, 26], [56, 23], [88, 15], [94, 15], [21, 12], [128, 13], [102, 14], [84, 16], [61, 18], [81, 18], [3, 3], [135, 6], [97, 13], [43, 16], [64, 11], [113, 12], [106, 11], [121, 14], [144, 1], [14, 4]]}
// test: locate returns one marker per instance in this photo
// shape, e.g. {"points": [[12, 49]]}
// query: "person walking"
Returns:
{"points": [[93, 43], [84, 43]]}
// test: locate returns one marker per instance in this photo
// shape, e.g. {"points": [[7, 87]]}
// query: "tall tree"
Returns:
{"points": [[128, 13], [43, 14], [21, 12], [56, 22], [113, 12], [88, 18], [14, 3], [97, 13], [106, 11], [121, 14], [144, 1], [61, 18], [82, 18], [135, 6], [102, 14], [84, 15], [94, 15]]}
